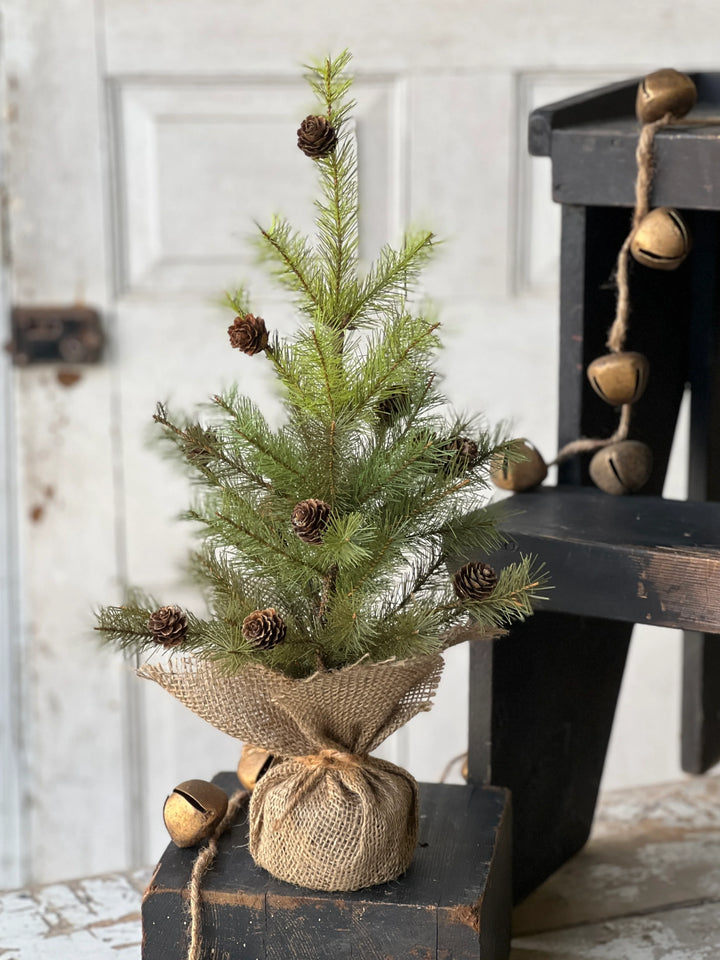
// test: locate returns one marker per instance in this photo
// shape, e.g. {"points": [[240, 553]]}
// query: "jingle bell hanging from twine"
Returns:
{"points": [[664, 91], [619, 377], [622, 467], [193, 810], [662, 240]]}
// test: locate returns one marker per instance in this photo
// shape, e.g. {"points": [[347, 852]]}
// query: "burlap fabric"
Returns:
{"points": [[328, 816]]}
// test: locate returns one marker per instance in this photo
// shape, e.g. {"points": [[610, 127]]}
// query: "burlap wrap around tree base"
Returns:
{"points": [[328, 816]]}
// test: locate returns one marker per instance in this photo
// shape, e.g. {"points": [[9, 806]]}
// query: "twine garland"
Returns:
{"points": [[645, 159]]}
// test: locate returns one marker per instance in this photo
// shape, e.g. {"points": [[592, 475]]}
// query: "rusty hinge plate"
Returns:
{"points": [[55, 335]]}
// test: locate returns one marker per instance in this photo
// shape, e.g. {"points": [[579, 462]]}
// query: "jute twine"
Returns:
{"points": [[203, 863], [645, 159]]}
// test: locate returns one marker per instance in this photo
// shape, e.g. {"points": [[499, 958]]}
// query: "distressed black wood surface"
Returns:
{"points": [[541, 712], [453, 902], [701, 654], [592, 106], [634, 559], [592, 140]]}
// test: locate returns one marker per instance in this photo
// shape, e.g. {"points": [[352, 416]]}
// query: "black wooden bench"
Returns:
{"points": [[542, 701]]}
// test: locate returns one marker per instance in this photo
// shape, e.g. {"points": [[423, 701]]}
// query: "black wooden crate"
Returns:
{"points": [[453, 903]]}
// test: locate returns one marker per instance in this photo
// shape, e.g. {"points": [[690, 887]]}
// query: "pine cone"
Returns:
{"points": [[249, 334], [316, 137], [264, 629], [464, 453], [309, 519], [168, 625], [201, 444], [393, 406], [475, 581]]}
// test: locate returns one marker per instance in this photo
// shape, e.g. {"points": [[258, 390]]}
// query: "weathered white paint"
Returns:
{"points": [[687, 933], [11, 676], [411, 35], [97, 919], [141, 146], [651, 849], [73, 715]]}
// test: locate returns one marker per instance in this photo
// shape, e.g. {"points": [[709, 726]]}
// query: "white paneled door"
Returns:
{"points": [[140, 138]]}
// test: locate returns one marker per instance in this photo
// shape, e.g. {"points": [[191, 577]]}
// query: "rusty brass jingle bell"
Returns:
{"points": [[193, 810], [254, 762], [662, 240], [664, 91], [622, 467], [521, 475], [619, 377]]}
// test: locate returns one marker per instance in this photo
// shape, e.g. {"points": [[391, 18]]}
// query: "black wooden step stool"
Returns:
{"points": [[542, 701]]}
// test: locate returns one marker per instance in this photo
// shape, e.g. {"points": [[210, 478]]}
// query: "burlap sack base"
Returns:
{"points": [[354, 826], [328, 817]]}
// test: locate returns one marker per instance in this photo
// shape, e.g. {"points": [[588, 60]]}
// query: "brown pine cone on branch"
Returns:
{"points": [[463, 453], [309, 520], [264, 629], [475, 581], [393, 406], [168, 625], [316, 137], [249, 334]]}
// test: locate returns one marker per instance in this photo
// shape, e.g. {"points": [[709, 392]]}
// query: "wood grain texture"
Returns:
{"points": [[453, 902], [93, 919], [649, 850], [689, 933], [646, 887], [633, 559]]}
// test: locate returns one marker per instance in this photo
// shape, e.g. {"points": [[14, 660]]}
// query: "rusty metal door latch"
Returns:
{"points": [[55, 335]]}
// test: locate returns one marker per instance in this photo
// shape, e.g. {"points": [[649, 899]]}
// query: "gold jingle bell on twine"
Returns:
{"points": [[622, 467], [619, 377], [662, 240], [193, 810], [664, 91], [253, 763], [521, 474]]}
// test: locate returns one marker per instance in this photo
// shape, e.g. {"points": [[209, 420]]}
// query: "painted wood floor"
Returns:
{"points": [[647, 887]]}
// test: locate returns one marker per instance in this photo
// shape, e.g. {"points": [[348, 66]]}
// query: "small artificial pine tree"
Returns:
{"points": [[325, 541]]}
